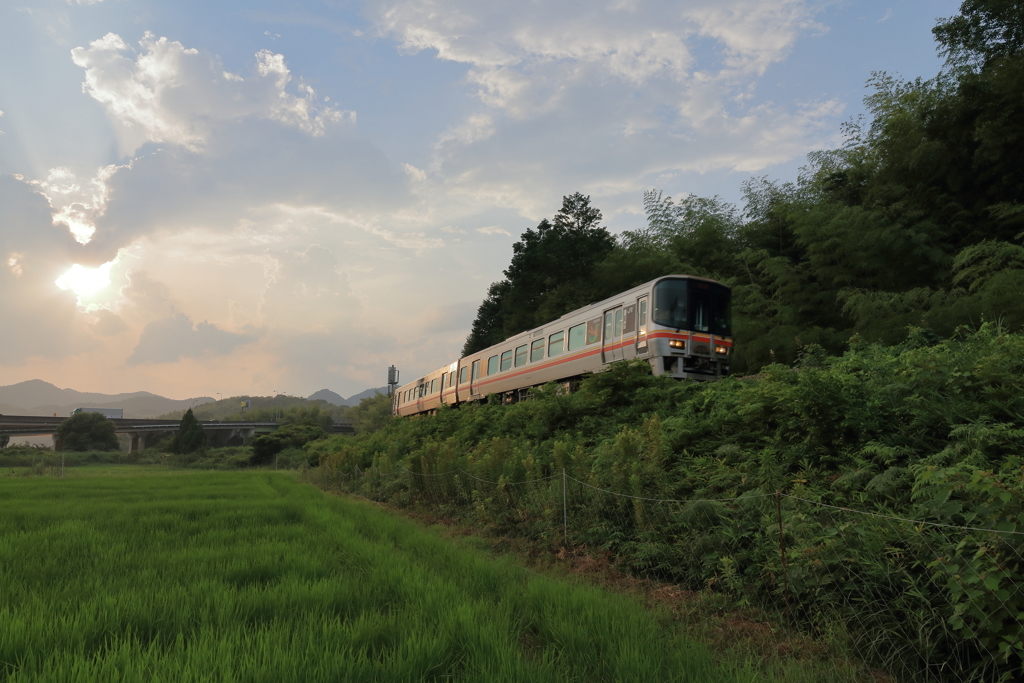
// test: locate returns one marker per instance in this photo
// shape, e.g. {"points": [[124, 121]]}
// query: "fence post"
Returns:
{"points": [[565, 514], [782, 554]]}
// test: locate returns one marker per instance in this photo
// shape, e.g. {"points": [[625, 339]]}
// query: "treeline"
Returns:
{"points": [[281, 408], [916, 221]]}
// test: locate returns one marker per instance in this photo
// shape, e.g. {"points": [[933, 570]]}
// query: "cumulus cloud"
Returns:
{"points": [[167, 93], [173, 338]]}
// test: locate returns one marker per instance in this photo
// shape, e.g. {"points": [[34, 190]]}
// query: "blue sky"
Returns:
{"points": [[242, 197]]}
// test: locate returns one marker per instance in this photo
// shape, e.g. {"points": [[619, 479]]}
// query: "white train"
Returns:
{"points": [[680, 323]]}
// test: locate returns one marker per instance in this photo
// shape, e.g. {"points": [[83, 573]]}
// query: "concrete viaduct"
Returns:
{"points": [[139, 430]]}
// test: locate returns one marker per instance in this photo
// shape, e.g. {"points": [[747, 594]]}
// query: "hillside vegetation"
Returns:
{"points": [[929, 431]]}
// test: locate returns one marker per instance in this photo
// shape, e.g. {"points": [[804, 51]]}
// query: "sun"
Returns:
{"points": [[85, 282]]}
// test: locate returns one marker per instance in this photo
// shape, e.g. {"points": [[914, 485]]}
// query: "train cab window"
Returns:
{"points": [[555, 343], [463, 375], [521, 355], [492, 365], [537, 351], [593, 331], [670, 298], [433, 386], [577, 336], [476, 369], [506, 360]]}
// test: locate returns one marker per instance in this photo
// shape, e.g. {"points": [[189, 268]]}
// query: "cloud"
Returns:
{"points": [[494, 230], [173, 338], [606, 99], [167, 93], [73, 203]]}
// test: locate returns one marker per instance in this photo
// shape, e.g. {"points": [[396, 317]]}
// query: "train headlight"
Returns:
{"points": [[677, 343], [721, 349]]}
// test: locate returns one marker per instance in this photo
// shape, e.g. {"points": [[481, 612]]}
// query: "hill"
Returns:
{"points": [[36, 397], [337, 400]]}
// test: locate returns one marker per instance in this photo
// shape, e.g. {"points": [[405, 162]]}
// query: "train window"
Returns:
{"points": [[442, 382], [537, 351], [492, 365], [476, 370], [506, 360], [555, 342], [462, 375], [451, 379], [577, 335], [433, 386], [629, 319], [670, 303], [609, 317], [618, 323], [521, 355], [721, 318], [593, 331]]}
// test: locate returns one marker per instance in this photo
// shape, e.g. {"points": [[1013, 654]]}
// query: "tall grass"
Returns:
{"points": [[255, 577]]}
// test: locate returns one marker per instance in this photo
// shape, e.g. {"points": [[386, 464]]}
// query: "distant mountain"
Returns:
{"points": [[337, 400], [354, 400], [36, 397], [329, 396]]}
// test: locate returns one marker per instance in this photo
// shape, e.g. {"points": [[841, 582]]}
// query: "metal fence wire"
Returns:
{"points": [[921, 601]]}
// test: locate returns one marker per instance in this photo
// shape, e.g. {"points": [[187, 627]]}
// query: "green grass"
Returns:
{"points": [[254, 577]]}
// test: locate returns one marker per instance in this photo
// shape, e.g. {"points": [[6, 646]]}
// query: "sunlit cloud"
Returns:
{"points": [[85, 282], [75, 203]]}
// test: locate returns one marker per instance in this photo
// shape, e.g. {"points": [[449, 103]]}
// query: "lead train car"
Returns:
{"points": [[680, 324]]}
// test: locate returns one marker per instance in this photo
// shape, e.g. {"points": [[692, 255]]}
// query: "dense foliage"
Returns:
{"points": [[926, 430], [916, 220], [266, 446], [86, 432]]}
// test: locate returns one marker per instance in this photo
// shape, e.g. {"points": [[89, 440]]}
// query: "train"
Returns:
{"points": [[680, 324]]}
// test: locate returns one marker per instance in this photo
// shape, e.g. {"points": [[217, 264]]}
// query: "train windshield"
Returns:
{"points": [[694, 305]]}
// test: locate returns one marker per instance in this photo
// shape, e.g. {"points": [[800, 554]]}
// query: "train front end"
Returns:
{"points": [[691, 328]]}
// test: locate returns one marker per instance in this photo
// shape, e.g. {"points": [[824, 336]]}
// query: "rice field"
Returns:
{"points": [[252, 576]]}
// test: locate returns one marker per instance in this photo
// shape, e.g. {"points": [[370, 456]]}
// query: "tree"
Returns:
{"points": [[371, 414], [86, 432], [190, 437], [984, 31], [549, 274]]}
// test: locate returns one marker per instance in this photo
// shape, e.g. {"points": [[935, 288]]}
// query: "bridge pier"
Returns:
{"points": [[138, 442], [4, 440], [245, 434]]}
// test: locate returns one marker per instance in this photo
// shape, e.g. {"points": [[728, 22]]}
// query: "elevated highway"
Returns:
{"points": [[141, 429]]}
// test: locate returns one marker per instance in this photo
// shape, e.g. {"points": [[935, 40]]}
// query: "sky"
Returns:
{"points": [[218, 199]]}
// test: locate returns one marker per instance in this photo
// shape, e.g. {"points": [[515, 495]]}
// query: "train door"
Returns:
{"points": [[611, 340], [641, 326], [474, 378]]}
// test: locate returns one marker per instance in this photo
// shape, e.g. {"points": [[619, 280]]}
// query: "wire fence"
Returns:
{"points": [[922, 601]]}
